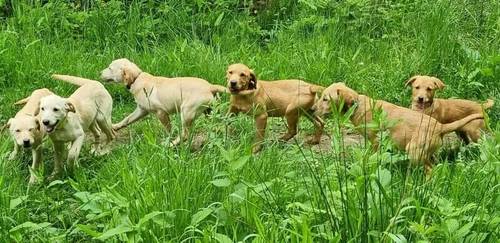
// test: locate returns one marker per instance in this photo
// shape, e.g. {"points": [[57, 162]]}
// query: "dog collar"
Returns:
{"points": [[133, 81]]}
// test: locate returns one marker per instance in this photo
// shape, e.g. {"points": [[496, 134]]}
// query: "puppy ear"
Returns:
{"points": [[37, 124], [315, 89], [9, 122], [438, 83], [128, 77], [70, 107], [253, 80], [410, 81], [37, 111], [348, 97]]}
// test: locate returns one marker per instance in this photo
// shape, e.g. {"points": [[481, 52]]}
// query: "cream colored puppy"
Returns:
{"points": [[162, 96], [418, 134], [67, 119], [26, 131]]}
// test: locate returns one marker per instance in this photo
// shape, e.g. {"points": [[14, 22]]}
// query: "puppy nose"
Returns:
{"points": [[233, 83], [420, 99], [46, 122], [26, 142]]}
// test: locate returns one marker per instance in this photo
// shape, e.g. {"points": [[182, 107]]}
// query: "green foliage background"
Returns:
{"points": [[147, 192]]}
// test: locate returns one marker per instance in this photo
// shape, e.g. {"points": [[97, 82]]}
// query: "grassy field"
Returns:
{"points": [[290, 192]]}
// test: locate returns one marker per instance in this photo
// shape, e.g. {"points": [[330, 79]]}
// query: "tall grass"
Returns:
{"points": [[145, 191]]}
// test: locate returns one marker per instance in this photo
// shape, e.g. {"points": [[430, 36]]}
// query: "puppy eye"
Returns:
{"points": [[242, 75], [31, 129], [230, 72], [325, 99], [43, 109], [56, 110], [418, 87], [17, 130], [429, 89]]}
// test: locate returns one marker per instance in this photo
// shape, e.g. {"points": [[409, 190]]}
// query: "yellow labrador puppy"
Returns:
{"points": [[418, 134], [263, 99], [162, 96], [26, 131], [67, 119], [446, 110]]}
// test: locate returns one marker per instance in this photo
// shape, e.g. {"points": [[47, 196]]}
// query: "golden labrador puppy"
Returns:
{"points": [[162, 96], [26, 131], [446, 110], [416, 133], [67, 119], [263, 99]]}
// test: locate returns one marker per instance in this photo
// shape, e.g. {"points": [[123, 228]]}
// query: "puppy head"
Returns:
{"points": [[121, 70], [24, 129], [334, 94], [54, 109], [240, 77], [423, 88]]}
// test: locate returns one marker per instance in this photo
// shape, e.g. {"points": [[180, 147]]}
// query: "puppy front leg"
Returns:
{"points": [[15, 152], [260, 123], [59, 153], [37, 161], [74, 151], [133, 117], [319, 127]]}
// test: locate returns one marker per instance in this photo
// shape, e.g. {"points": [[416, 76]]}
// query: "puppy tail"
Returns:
{"points": [[215, 89], [73, 80], [453, 126], [489, 103], [23, 101]]}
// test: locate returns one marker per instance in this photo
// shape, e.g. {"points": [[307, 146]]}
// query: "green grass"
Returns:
{"points": [[145, 191]]}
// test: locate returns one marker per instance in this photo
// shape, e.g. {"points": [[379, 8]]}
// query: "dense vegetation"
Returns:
{"points": [[145, 191]]}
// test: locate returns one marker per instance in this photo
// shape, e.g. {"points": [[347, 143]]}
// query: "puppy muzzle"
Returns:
{"points": [[49, 127], [26, 143]]}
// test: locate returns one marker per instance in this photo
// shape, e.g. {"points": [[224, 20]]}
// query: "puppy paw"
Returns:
{"points": [[12, 156], [176, 142], [54, 176], [33, 180], [116, 127], [103, 151], [256, 148], [313, 141], [287, 137]]}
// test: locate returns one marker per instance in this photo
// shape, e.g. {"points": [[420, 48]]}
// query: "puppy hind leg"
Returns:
{"points": [[105, 125], [292, 118], [187, 118], [97, 138], [473, 130]]}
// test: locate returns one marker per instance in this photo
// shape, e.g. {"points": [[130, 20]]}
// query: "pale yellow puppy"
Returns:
{"points": [[67, 119], [26, 131], [162, 96]]}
